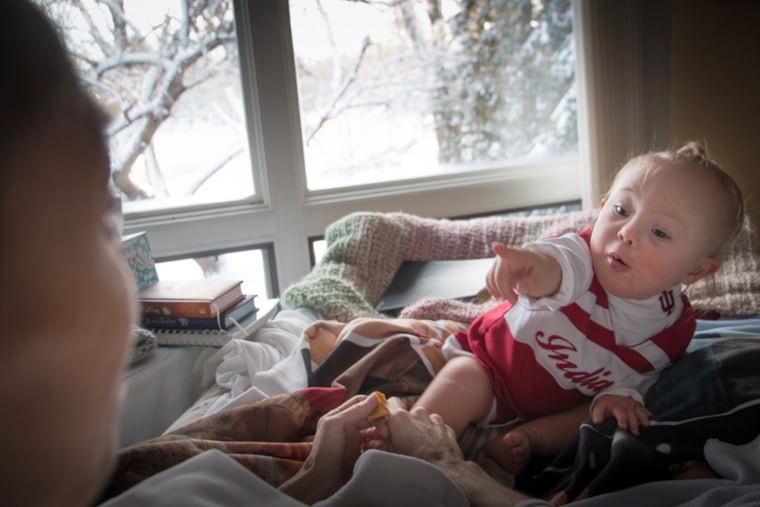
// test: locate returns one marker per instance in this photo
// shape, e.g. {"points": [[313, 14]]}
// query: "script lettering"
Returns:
{"points": [[558, 347]]}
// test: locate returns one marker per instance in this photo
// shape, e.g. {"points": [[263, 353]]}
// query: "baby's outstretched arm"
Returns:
{"points": [[522, 271], [629, 413]]}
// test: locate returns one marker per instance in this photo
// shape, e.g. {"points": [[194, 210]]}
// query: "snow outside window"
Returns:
{"points": [[408, 89], [250, 125]]}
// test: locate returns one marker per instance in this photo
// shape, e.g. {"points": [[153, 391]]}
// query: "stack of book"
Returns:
{"points": [[207, 312]]}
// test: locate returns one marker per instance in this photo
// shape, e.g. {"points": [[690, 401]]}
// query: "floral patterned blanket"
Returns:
{"points": [[272, 437]]}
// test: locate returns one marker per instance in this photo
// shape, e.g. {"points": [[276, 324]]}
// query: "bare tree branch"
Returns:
{"points": [[97, 35], [155, 177], [201, 178], [126, 59], [341, 92]]}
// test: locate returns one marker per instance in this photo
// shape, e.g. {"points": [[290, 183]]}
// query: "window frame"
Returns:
{"points": [[284, 213]]}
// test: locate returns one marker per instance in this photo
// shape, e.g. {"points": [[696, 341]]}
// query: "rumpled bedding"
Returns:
{"points": [[270, 436], [270, 392], [212, 479], [712, 393]]}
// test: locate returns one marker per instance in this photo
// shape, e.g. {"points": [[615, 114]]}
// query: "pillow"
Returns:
{"points": [[734, 290]]}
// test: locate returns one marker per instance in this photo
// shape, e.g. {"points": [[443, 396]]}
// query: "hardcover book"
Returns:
{"points": [[190, 298], [224, 320], [215, 337]]}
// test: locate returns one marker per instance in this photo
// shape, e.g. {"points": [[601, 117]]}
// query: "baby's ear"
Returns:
{"points": [[708, 266]]}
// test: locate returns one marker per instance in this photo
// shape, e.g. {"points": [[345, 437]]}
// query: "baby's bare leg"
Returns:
{"points": [[543, 436], [460, 393]]}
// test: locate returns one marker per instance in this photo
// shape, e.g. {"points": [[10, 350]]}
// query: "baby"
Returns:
{"points": [[590, 317]]}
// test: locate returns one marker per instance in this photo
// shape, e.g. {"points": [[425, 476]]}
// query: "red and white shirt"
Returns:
{"points": [[549, 354]]}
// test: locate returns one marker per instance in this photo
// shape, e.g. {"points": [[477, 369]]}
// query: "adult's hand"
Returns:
{"points": [[338, 441], [425, 436], [422, 435]]}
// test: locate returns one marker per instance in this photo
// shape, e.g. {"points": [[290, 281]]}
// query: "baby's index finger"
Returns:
{"points": [[499, 248]]}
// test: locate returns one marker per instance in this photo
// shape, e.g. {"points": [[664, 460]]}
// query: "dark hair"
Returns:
{"points": [[38, 68], [39, 78]]}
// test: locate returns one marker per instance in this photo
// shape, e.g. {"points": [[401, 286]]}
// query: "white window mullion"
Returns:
{"points": [[463, 195], [281, 134]]}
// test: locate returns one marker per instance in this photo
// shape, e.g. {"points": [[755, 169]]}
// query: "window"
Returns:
{"points": [[408, 89], [242, 265], [168, 75], [238, 154]]}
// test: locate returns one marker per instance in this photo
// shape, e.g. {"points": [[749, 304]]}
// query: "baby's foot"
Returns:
{"points": [[512, 451]]}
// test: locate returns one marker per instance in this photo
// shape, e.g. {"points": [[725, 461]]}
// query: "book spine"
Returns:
{"points": [[198, 309], [215, 337], [161, 322], [224, 321]]}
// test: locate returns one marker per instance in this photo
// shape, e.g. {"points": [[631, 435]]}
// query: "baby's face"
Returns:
{"points": [[654, 230]]}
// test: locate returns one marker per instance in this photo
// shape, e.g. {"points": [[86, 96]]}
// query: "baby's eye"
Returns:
{"points": [[660, 233], [619, 210]]}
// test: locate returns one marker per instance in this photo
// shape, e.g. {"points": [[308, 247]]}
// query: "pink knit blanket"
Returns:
{"points": [[366, 249]]}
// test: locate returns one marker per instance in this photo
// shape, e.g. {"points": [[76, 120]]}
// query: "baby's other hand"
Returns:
{"points": [[629, 413]]}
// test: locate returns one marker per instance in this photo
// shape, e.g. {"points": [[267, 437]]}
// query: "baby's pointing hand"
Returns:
{"points": [[510, 266]]}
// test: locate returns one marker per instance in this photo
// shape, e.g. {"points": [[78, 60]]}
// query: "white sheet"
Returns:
{"points": [[246, 371]]}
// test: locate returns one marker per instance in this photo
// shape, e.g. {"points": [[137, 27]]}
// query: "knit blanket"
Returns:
{"points": [[365, 250]]}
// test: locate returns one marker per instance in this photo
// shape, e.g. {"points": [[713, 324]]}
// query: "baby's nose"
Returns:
{"points": [[627, 235]]}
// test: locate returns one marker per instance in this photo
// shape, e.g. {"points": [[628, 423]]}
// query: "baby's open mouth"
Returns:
{"points": [[617, 260]]}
